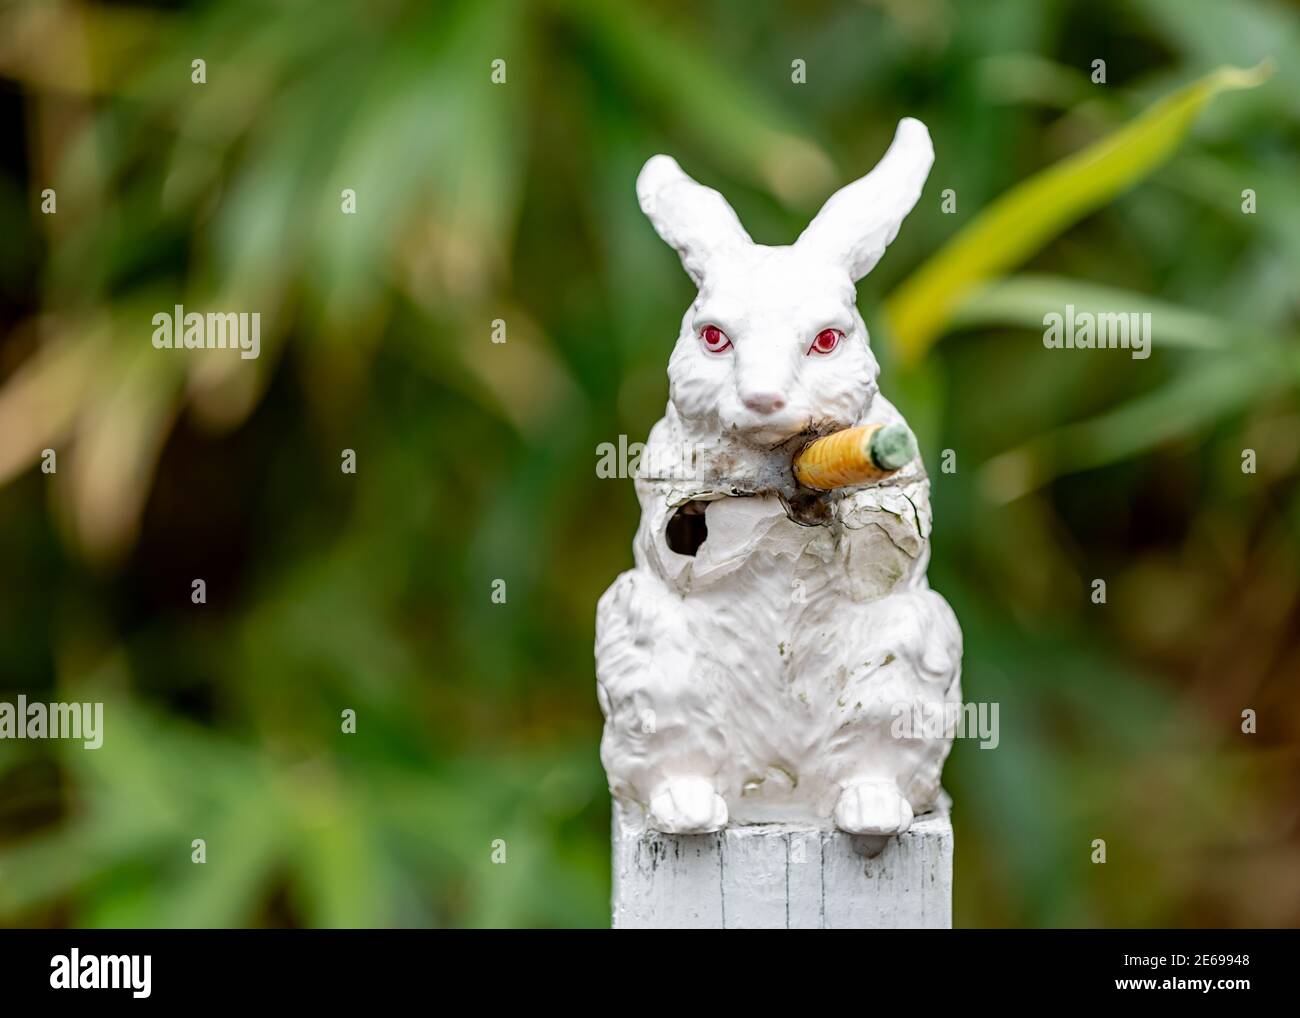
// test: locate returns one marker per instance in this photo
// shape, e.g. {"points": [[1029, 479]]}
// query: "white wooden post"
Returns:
{"points": [[783, 876]]}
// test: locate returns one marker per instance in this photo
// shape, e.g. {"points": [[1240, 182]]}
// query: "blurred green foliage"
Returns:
{"points": [[477, 725]]}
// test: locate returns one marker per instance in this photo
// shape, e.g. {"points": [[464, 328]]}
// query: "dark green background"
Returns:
{"points": [[478, 721]]}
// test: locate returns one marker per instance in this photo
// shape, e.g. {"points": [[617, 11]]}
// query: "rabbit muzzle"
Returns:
{"points": [[766, 429]]}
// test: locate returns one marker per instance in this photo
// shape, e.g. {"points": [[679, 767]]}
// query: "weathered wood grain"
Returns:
{"points": [[783, 876]]}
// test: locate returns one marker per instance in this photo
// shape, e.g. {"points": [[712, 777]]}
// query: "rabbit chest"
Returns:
{"points": [[767, 602]]}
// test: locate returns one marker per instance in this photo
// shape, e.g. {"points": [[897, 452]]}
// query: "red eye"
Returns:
{"points": [[826, 341], [714, 339]]}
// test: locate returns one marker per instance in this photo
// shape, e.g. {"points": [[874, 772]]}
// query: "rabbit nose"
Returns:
{"points": [[763, 402]]}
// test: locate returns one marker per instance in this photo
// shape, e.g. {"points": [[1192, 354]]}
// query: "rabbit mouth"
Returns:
{"points": [[770, 431]]}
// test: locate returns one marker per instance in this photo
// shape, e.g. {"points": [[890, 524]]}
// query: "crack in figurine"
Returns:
{"points": [[755, 664]]}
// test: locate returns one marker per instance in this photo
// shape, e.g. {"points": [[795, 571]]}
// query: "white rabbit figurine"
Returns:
{"points": [[753, 666]]}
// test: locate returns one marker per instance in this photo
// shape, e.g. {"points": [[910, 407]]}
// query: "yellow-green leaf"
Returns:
{"points": [[1026, 217]]}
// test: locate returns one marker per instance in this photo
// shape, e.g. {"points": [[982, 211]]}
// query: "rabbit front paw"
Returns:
{"points": [[873, 807], [687, 806]]}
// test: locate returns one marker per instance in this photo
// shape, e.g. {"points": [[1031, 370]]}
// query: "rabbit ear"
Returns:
{"points": [[860, 220], [693, 219]]}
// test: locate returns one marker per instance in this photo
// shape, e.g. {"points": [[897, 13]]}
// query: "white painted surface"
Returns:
{"points": [[783, 876], [759, 679]]}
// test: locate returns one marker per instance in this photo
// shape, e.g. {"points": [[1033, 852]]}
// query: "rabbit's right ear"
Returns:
{"points": [[694, 220]]}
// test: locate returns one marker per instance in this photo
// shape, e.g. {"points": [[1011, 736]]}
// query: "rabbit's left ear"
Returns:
{"points": [[860, 220]]}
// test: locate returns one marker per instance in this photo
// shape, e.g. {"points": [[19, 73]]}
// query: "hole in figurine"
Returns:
{"points": [[687, 529]]}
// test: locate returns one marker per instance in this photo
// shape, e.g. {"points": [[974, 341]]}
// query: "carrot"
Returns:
{"points": [[861, 455]]}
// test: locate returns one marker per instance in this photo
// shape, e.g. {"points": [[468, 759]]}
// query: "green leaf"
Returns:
{"points": [[747, 132], [1206, 33], [1022, 301], [1215, 387], [1029, 215]]}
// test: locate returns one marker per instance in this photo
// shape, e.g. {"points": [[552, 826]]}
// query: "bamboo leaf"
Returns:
{"points": [[1214, 388], [1022, 301], [1032, 213], [747, 132]]}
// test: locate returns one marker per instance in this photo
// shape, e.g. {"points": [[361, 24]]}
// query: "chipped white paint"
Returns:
{"points": [[784, 876], [757, 680]]}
